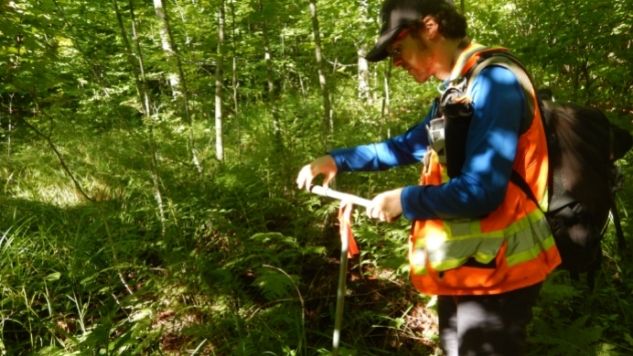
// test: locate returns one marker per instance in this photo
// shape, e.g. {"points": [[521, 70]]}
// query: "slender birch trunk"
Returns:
{"points": [[158, 196], [364, 92], [164, 30], [137, 66], [178, 83], [328, 124], [234, 83], [137, 63], [385, 87], [219, 147], [270, 85]]}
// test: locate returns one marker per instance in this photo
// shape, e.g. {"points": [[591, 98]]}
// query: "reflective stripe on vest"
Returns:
{"points": [[452, 244]]}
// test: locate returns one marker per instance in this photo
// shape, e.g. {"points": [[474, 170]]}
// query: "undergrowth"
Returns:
{"points": [[243, 263]]}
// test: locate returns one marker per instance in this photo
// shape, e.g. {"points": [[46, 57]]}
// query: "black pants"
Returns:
{"points": [[486, 325]]}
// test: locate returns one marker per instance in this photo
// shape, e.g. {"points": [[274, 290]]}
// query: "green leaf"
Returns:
{"points": [[273, 284], [53, 277]]}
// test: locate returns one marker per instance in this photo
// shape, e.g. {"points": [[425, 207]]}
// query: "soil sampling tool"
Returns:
{"points": [[344, 197], [348, 249]]}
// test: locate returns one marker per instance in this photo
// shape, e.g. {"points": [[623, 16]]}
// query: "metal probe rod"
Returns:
{"points": [[342, 276]]}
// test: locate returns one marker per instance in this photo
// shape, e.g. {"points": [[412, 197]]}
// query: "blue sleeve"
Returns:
{"points": [[406, 148], [490, 150]]}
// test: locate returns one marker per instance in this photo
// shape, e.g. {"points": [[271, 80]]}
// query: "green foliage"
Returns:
{"points": [[567, 319], [170, 256], [575, 47]]}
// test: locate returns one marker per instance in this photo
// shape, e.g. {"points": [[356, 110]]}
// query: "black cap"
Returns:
{"points": [[396, 15]]}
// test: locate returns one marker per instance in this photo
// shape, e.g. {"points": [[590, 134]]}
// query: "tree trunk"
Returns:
{"points": [[178, 82], [135, 61], [386, 97], [164, 30], [9, 125], [137, 66], [270, 85], [234, 83], [219, 146], [139, 72], [364, 93], [328, 124]]}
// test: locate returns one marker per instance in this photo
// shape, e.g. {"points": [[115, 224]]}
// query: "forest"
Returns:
{"points": [[148, 156]]}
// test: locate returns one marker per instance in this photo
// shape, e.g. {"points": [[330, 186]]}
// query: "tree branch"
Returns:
{"points": [[59, 157]]}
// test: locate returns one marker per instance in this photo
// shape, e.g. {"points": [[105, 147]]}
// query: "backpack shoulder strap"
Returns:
{"points": [[467, 60], [470, 66], [501, 57], [517, 179]]}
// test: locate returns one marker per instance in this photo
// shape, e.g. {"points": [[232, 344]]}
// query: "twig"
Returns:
{"points": [[59, 157]]}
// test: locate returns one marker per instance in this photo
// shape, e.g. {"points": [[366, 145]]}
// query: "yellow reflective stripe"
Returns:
{"points": [[531, 253], [460, 240], [544, 204], [445, 251], [448, 264], [464, 228], [527, 243], [456, 252]]}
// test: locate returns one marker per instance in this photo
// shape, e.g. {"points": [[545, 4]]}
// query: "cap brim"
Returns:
{"points": [[379, 52]]}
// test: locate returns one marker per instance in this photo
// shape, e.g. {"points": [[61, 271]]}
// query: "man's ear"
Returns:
{"points": [[431, 27]]}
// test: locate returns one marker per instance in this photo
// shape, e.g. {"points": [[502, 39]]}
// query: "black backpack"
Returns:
{"points": [[583, 147]]}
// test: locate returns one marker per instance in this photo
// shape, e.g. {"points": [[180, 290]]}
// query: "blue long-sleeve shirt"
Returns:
{"points": [[491, 146]]}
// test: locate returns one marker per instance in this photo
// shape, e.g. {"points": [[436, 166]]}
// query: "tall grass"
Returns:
{"points": [[246, 264]]}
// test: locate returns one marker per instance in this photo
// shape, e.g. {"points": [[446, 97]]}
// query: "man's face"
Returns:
{"points": [[413, 53]]}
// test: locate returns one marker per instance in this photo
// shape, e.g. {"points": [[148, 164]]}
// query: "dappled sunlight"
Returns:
{"points": [[123, 232]]}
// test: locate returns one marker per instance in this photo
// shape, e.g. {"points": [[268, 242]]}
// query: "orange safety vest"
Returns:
{"points": [[513, 246]]}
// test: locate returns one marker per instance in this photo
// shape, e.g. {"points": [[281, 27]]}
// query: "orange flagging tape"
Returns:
{"points": [[345, 229]]}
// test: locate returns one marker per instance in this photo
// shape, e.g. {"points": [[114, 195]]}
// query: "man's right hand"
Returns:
{"points": [[323, 165]]}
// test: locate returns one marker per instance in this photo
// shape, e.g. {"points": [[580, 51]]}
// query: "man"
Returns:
{"points": [[478, 242]]}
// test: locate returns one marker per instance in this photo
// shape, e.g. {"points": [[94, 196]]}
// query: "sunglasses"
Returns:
{"points": [[394, 50]]}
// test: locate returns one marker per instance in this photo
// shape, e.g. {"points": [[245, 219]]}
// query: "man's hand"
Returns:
{"points": [[323, 165], [386, 206]]}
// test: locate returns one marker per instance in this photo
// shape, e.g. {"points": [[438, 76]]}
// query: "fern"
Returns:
{"points": [[273, 284], [557, 338]]}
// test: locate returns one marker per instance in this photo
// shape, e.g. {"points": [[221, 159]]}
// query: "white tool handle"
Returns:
{"points": [[330, 193]]}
